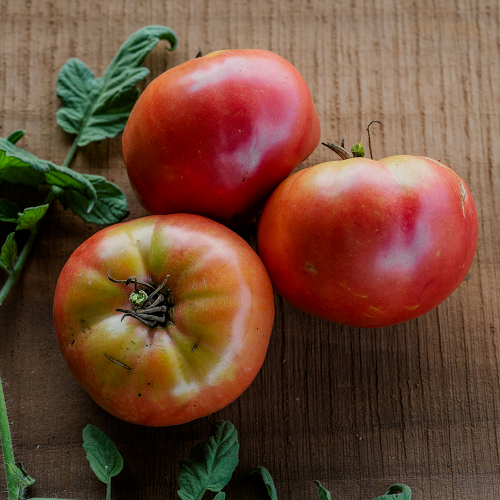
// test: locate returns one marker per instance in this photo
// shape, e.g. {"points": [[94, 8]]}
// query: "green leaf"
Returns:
{"points": [[220, 496], [396, 492], [22, 479], [15, 136], [8, 254], [98, 108], [30, 217], [268, 480], [322, 493], [102, 454], [210, 464], [111, 206], [9, 211], [17, 166]]}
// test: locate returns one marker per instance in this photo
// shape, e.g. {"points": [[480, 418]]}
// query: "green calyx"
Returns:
{"points": [[357, 150], [138, 297]]}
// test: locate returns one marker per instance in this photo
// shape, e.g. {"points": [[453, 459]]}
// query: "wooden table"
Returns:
{"points": [[357, 409]]}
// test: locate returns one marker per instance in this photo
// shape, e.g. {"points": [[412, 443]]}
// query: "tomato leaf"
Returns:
{"points": [[322, 493], [30, 217], [102, 454], [268, 480], [22, 477], [111, 206], [15, 136], [220, 496], [210, 464], [8, 254], [98, 108], [9, 211], [396, 492], [17, 166]]}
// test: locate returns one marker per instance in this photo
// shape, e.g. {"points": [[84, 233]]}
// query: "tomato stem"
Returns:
{"points": [[343, 153], [151, 313], [358, 151], [369, 139], [6, 446]]}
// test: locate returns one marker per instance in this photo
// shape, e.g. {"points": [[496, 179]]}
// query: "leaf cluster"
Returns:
{"points": [[93, 109], [211, 464]]}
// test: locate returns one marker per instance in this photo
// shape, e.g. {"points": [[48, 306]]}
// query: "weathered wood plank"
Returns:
{"points": [[357, 409]]}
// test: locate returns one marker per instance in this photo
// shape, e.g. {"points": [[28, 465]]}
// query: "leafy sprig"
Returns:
{"points": [[394, 492], [210, 464], [103, 456], [93, 109], [98, 108]]}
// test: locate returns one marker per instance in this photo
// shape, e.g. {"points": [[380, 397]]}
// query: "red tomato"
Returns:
{"points": [[369, 243], [215, 332], [215, 135]]}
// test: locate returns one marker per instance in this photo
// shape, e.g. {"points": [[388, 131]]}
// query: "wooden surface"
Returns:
{"points": [[417, 403]]}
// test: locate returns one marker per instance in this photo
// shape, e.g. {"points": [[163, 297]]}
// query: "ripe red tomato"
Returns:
{"points": [[214, 136], [201, 355], [369, 243]]}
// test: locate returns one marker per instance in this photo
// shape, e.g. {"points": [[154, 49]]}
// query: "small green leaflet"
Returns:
{"points": [[396, 492], [30, 217], [8, 254], [9, 211], [17, 166], [98, 108], [15, 136], [220, 496], [102, 454], [210, 464], [268, 480], [23, 480], [322, 493], [111, 206]]}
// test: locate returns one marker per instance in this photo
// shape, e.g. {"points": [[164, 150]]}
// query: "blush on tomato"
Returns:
{"points": [[214, 136], [369, 243]]}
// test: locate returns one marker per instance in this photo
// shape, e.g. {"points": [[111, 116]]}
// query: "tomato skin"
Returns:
{"points": [[369, 243], [160, 376], [215, 135]]}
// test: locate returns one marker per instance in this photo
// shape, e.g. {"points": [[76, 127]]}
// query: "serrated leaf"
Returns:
{"points": [[8, 254], [30, 217], [9, 211], [210, 464], [17, 166], [98, 108], [15, 136], [110, 208], [396, 492], [22, 477], [102, 454], [322, 493], [268, 480]]}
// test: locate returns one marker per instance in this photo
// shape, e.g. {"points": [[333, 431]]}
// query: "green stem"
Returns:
{"points": [[6, 445], [9, 283], [71, 152], [4, 291], [108, 490]]}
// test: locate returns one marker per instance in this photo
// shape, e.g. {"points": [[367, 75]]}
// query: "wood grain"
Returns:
{"points": [[417, 403]]}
